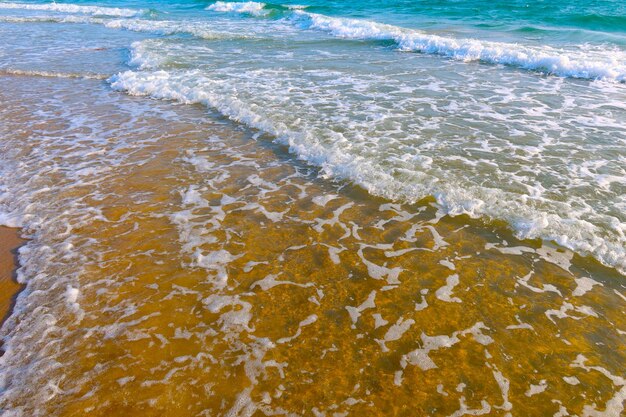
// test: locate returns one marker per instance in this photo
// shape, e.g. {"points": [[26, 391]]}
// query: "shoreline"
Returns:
{"points": [[10, 242], [326, 272]]}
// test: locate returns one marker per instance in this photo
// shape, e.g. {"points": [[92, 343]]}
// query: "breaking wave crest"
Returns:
{"points": [[250, 7], [607, 65], [74, 8]]}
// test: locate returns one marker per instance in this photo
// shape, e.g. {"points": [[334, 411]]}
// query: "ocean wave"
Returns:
{"points": [[527, 219], [254, 8], [595, 21], [165, 27], [74, 8], [574, 64], [160, 27], [51, 74]]}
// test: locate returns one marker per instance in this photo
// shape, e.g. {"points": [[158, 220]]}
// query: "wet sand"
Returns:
{"points": [[185, 266], [9, 288]]}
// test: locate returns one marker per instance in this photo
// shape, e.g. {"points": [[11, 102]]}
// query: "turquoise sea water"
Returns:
{"points": [[503, 110]]}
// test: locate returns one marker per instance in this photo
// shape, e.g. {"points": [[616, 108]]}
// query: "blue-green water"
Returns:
{"points": [[503, 110]]}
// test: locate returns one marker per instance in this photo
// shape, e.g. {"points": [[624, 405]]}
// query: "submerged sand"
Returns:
{"points": [[9, 242], [185, 266]]}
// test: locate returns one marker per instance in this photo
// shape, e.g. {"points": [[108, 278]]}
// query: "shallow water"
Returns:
{"points": [[514, 114], [184, 264], [179, 266]]}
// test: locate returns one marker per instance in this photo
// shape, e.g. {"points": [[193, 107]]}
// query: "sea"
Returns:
{"points": [[315, 208]]}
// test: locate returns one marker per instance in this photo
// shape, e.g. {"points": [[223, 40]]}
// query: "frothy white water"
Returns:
{"points": [[606, 65], [74, 8], [249, 7], [529, 217]]}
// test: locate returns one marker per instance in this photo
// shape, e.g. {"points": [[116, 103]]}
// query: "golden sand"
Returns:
{"points": [[9, 242]]}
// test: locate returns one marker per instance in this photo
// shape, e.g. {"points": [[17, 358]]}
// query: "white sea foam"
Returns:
{"points": [[445, 293], [249, 7], [74, 8], [607, 66], [296, 6]]}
